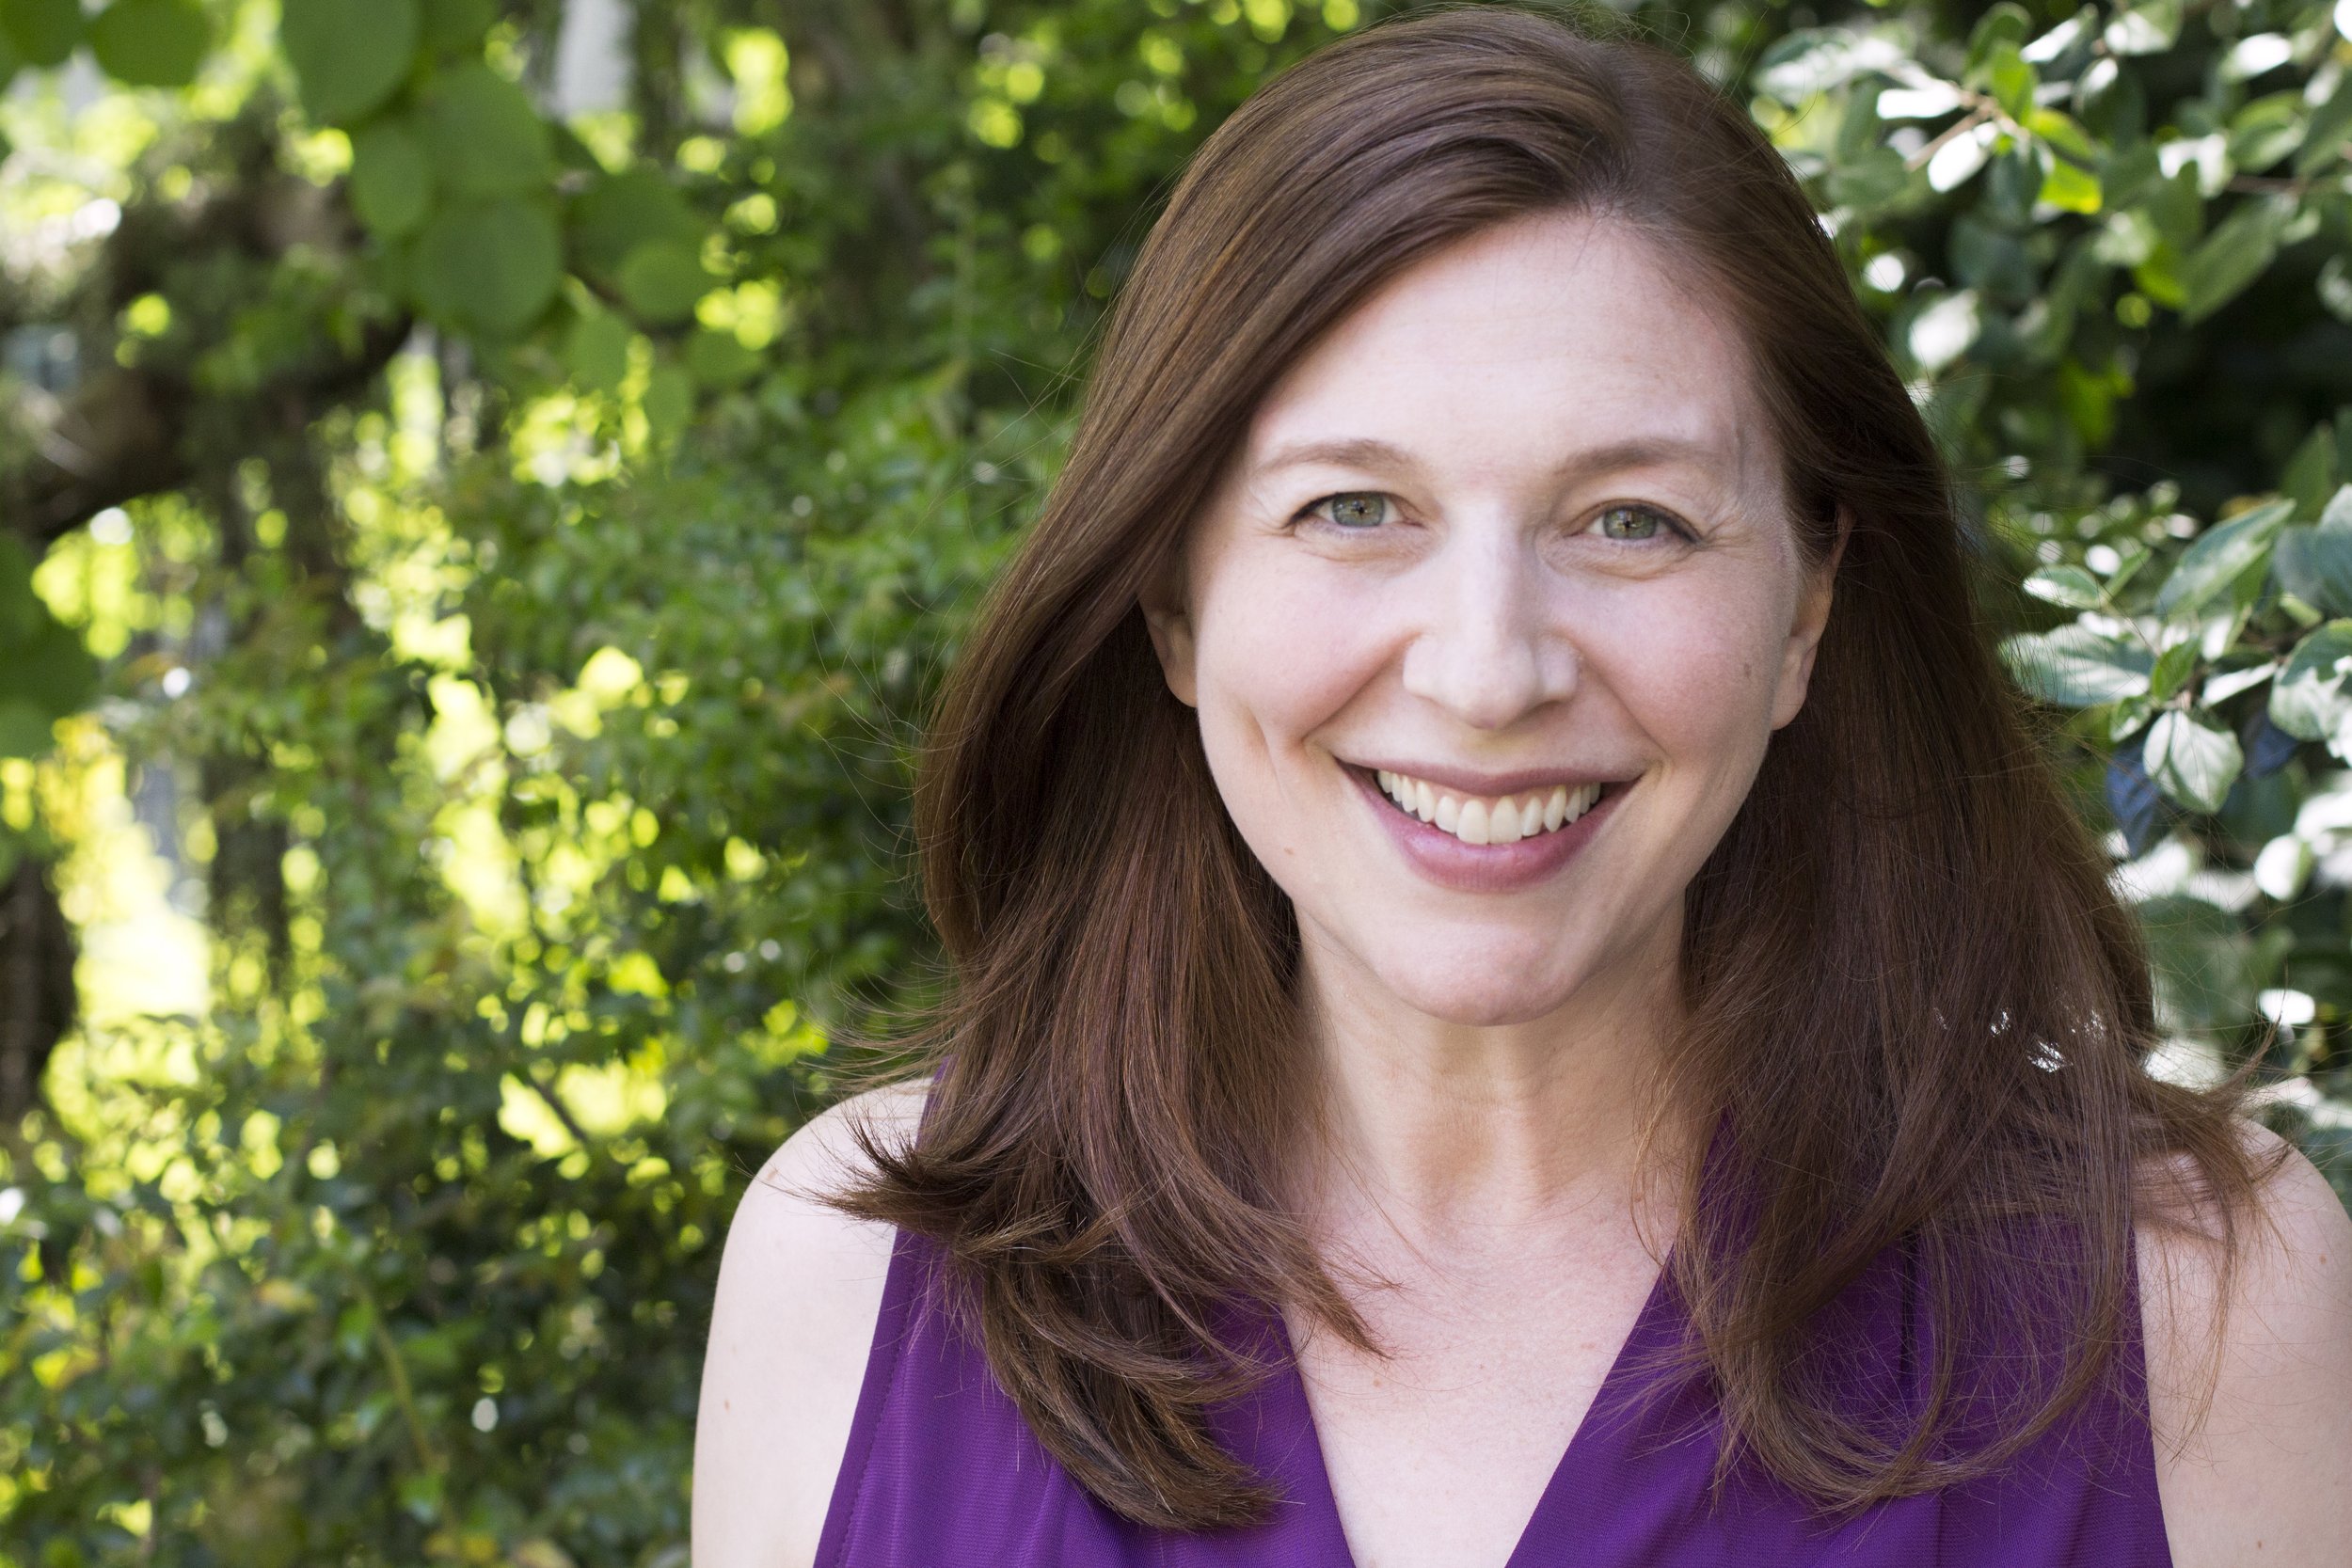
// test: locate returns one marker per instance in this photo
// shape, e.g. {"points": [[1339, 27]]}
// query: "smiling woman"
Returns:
{"points": [[1487, 761]]}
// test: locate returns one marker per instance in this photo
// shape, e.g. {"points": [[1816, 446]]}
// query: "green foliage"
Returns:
{"points": [[151, 43], [350, 56], [45, 672], [561, 529], [44, 32]]}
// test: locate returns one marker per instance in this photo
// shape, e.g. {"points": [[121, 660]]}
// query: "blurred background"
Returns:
{"points": [[489, 486]]}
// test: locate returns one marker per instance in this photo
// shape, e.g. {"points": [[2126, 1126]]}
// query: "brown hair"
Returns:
{"points": [[1915, 1008]]}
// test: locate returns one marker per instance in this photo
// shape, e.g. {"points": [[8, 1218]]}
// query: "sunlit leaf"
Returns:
{"points": [[2192, 762], [2308, 700], [2220, 556], [2076, 667]]}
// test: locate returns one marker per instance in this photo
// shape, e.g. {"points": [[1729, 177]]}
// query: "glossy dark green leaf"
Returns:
{"points": [[2192, 762], [2315, 566], [2220, 556], [2233, 256], [2069, 586], [2076, 666], [2308, 698], [2146, 28]]}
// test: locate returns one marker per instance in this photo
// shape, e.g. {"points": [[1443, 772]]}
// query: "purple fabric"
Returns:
{"points": [[942, 1469]]}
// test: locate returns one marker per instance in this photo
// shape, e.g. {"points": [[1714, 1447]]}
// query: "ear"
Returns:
{"points": [[1804, 638], [1166, 613]]}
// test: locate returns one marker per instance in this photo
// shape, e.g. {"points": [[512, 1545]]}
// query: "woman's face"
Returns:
{"points": [[1510, 534]]}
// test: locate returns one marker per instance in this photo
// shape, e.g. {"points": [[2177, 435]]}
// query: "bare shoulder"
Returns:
{"points": [[2250, 1431], [799, 1291]]}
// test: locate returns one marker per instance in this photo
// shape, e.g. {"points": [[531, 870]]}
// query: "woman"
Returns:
{"points": [[1485, 765]]}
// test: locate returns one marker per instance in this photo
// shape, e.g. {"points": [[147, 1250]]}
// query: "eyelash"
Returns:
{"points": [[1673, 525]]}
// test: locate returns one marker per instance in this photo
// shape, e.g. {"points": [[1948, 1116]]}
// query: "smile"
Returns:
{"points": [[1482, 819]]}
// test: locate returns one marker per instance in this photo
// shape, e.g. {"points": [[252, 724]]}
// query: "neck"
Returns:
{"points": [[1477, 1139]]}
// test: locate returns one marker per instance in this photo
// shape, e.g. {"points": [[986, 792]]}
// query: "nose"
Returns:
{"points": [[1485, 649]]}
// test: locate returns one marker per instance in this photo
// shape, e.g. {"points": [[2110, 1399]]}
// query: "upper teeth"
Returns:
{"points": [[1479, 820]]}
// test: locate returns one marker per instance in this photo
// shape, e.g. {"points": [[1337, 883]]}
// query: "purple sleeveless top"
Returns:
{"points": [[942, 1469]]}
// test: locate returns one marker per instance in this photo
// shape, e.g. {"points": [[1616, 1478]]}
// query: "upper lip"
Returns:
{"points": [[1489, 786]]}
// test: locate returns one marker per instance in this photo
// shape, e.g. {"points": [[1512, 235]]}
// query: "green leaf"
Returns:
{"points": [[2126, 717], [2069, 586], [2013, 81], [1816, 59], [152, 43], [669, 401], [2145, 29], [50, 673], [456, 27], [491, 266], [2197, 956], [719, 360], [24, 729], [2233, 256], [2337, 517], [484, 135], [2265, 131], [1870, 179], [2308, 698], [2076, 667], [2073, 188], [2322, 139], [2223, 685], [392, 182], [598, 350], [2192, 762], [2219, 556], [43, 31], [2315, 566], [349, 55], [2005, 25], [617, 213], [662, 279], [2310, 477], [2172, 668]]}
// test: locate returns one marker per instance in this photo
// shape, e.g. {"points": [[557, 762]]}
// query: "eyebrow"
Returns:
{"points": [[1371, 452]]}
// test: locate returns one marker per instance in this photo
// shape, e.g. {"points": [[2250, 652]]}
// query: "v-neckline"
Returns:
{"points": [[1323, 1502]]}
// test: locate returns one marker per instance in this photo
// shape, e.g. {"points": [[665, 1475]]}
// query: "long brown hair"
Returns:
{"points": [[1916, 1011]]}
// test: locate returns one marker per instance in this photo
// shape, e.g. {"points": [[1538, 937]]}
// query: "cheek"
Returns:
{"points": [[1696, 668], [1279, 652]]}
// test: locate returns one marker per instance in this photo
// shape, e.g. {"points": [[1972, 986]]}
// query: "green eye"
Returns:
{"points": [[1646, 524], [1356, 508]]}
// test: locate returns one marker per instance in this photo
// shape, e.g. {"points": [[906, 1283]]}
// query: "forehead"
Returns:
{"points": [[1527, 343]]}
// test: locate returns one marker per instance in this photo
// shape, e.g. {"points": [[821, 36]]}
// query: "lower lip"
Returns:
{"points": [[1483, 867]]}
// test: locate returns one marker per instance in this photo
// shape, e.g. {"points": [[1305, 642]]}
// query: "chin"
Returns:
{"points": [[1474, 995]]}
